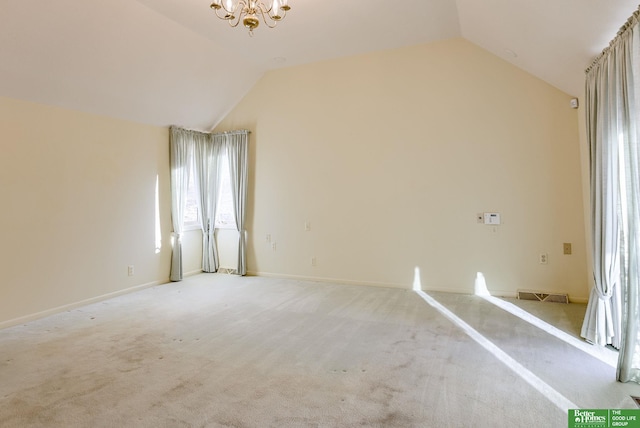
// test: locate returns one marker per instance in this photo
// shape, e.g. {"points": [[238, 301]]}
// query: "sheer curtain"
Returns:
{"points": [[207, 150], [206, 155], [612, 94], [626, 54], [180, 147], [237, 145], [602, 324]]}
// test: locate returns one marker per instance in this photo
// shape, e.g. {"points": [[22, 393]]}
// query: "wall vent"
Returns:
{"points": [[543, 297]]}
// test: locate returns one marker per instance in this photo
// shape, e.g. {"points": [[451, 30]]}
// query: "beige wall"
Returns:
{"points": [[389, 156], [78, 196]]}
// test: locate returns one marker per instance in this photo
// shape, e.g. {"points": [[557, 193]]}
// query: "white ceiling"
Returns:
{"points": [[167, 62]]}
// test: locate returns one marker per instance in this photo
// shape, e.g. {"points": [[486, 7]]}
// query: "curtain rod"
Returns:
{"points": [[238, 131], [633, 19], [193, 131]]}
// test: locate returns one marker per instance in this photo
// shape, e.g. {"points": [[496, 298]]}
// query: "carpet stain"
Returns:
{"points": [[392, 419], [406, 365]]}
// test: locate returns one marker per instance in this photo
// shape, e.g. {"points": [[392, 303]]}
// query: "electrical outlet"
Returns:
{"points": [[307, 225], [566, 248], [130, 270], [273, 246], [543, 258], [268, 238], [313, 261]]}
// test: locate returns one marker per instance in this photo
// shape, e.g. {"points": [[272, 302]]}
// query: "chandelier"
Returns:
{"points": [[249, 12]]}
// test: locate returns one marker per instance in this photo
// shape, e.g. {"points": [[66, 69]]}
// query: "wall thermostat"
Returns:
{"points": [[492, 218]]}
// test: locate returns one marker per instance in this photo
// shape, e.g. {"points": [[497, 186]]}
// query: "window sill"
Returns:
{"points": [[191, 226], [226, 227]]}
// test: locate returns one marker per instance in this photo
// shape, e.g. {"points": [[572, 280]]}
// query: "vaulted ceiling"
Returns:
{"points": [[167, 62]]}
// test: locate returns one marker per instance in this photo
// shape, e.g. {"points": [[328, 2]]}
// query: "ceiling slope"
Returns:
{"points": [[117, 58], [315, 30], [553, 40], [167, 62]]}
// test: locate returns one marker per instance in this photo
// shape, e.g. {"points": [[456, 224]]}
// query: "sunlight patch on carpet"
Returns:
{"points": [[606, 356], [562, 402]]}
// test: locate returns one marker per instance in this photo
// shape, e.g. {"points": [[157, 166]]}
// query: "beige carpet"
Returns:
{"points": [[224, 351]]}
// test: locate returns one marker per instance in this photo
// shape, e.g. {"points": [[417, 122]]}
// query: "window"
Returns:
{"points": [[225, 219]]}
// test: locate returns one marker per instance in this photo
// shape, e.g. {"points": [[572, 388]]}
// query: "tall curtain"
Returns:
{"points": [[602, 321], [206, 156], [180, 155], [237, 146], [627, 57], [612, 94]]}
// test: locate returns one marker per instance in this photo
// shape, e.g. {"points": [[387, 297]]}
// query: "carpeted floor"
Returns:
{"points": [[224, 351]]}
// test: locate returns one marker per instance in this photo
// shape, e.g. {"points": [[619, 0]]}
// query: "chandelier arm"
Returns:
{"points": [[242, 6], [241, 10], [265, 20], [264, 9], [223, 17]]}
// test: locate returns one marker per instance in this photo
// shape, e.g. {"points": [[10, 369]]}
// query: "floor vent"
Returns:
{"points": [[543, 297], [227, 271]]}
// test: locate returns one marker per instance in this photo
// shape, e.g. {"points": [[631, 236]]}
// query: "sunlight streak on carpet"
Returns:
{"points": [[604, 355], [545, 389]]}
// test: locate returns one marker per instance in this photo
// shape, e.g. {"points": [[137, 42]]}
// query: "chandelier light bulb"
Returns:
{"points": [[275, 10], [228, 5]]}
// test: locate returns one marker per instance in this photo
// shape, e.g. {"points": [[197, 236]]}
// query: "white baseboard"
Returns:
{"points": [[495, 293], [191, 273], [467, 291], [328, 280], [369, 283], [74, 305]]}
